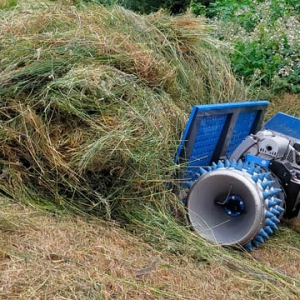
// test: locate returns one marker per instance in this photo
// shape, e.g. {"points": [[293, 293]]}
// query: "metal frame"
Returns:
{"points": [[214, 131]]}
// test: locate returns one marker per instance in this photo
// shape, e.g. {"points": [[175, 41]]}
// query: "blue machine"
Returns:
{"points": [[237, 177]]}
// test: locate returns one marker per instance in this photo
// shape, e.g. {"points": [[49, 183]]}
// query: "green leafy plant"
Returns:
{"points": [[200, 7], [260, 38]]}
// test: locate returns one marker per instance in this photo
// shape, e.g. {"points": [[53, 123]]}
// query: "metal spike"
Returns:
{"points": [[268, 230], [249, 166], [266, 184], [255, 177], [279, 208], [227, 163], [250, 171], [263, 234], [268, 175], [270, 203], [274, 211], [189, 183], [268, 214], [239, 165], [248, 247], [246, 164], [275, 220], [271, 224], [233, 164], [262, 176], [220, 164], [271, 193], [195, 176], [277, 200], [260, 239], [202, 171]]}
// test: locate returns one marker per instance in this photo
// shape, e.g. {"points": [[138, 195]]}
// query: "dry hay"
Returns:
{"points": [[94, 100], [286, 103], [43, 256]]}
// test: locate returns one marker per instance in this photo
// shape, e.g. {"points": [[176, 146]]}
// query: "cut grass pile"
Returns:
{"points": [[94, 100]]}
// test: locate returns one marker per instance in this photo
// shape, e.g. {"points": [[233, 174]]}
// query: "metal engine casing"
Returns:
{"points": [[280, 154]]}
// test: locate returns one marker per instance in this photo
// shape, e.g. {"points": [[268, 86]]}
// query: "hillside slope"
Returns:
{"points": [[93, 103]]}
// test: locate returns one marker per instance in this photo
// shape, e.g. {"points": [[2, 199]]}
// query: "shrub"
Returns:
{"points": [[147, 6], [201, 7], [261, 40]]}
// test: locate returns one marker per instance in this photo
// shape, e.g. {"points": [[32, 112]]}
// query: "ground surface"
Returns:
{"points": [[43, 256]]}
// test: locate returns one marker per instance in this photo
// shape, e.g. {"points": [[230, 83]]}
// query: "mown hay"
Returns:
{"points": [[94, 100], [43, 256]]}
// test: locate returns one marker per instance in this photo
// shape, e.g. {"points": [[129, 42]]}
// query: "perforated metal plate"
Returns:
{"points": [[214, 131]]}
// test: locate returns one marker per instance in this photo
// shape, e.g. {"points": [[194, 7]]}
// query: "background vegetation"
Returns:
{"points": [[260, 38], [8, 3]]}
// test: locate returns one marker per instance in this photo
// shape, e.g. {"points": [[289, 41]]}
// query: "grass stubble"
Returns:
{"points": [[46, 256]]}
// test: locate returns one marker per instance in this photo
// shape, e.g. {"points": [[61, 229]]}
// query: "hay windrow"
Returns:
{"points": [[94, 100]]}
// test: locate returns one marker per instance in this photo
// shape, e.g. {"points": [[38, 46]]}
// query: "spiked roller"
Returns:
{"points": [[233, 205]]}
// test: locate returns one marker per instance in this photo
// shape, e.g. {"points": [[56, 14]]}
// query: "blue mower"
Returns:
{"points": [[237, 178]]}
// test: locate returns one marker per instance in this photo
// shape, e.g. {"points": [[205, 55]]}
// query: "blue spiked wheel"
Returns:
{"points": [[234, 203]]}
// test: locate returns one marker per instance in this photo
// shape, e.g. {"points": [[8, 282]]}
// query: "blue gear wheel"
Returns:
{"points": [[251, 183]]}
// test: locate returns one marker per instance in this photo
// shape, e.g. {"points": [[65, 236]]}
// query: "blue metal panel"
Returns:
{"points": [[214, 131], [241, 129], [205, 142], [284, 124]]}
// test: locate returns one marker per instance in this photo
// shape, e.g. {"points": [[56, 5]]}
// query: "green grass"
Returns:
{"points": [[8, 3]]}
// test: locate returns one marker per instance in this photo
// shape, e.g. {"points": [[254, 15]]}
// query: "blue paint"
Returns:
{"points": [[284, 124]]}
